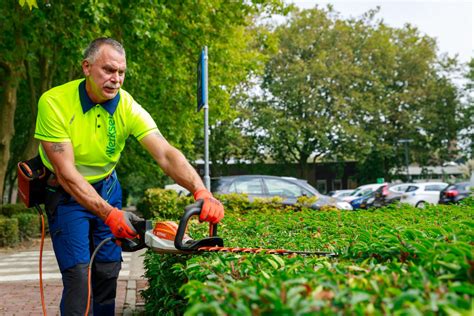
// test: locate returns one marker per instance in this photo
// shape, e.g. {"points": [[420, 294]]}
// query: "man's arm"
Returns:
{"points": [[173, 162], [175, 165], [61, 156]]}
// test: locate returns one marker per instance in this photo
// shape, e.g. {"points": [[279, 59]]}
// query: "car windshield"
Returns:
{"points": [[361, 192], [355, 192]]}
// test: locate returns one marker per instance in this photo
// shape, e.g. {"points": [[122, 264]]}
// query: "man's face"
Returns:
{"points": [[105, 75]]}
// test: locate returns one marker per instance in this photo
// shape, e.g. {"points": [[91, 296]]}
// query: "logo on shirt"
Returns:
{"points": [[112, 135]]}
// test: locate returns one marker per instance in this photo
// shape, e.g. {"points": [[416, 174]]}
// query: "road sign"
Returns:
{"points": [[202, 80]]}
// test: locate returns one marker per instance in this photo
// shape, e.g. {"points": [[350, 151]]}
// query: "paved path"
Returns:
{"points": [[19, 285]]}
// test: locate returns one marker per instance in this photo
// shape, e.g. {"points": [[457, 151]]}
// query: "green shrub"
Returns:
{"points": [[9, 234], [163, 204], [8, 210], [469, 201], [162, 295], [29, 225], [394, 260], [167, 205]]}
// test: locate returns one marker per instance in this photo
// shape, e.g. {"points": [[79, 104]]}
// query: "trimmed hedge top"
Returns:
{"points": [[392, 260]]}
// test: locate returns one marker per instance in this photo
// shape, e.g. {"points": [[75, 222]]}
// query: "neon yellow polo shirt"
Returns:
{"points": [[97, 131]]}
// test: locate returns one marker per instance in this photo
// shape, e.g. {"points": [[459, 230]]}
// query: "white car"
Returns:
{"points": [[340, 193], [399, 188], [362, 190], [419, 194], [179, 189]]}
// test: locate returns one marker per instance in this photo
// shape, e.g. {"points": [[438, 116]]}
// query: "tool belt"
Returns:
{"points": [[32, 178], [37, 185]]}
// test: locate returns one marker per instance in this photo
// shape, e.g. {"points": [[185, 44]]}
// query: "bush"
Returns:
{"points": [[27, 219], [391, 260], [29, 225], [8, 231], [8, 210], [469, 201], [163, 204], [167, 205], [162, 295]]}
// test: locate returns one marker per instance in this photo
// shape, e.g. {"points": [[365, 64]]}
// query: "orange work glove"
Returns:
{"points": [[120, 224], [212, 210]]}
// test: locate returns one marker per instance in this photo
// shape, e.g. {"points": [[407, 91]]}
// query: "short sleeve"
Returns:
{"points": [[50, 123], [142, 124]]}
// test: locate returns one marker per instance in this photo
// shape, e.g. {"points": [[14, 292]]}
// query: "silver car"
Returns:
{"points": [[288, 188]]}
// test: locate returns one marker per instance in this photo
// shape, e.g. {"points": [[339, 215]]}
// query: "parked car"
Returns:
{"points": [[386, 194], [179, 189], [340, 193], [361, 191], [389, 193], [260, 186], [456, 192], [363, 202], [419, 194]]}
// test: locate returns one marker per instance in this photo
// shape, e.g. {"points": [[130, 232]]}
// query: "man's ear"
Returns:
{"points": [[86, 67]]}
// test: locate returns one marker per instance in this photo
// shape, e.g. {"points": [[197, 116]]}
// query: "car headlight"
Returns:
{"points": [[344, 206]]}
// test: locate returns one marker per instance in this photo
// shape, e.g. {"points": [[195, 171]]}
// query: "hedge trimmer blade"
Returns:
{"points": [[266, 251], [168, 237]]}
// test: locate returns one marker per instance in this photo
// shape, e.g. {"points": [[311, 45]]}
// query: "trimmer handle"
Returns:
{"points": [[212, 240], [131, 245]]}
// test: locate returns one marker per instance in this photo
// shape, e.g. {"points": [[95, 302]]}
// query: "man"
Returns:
{"points": [[83, 126]]}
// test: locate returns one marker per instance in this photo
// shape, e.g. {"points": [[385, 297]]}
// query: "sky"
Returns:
{"points": [[449, 21]]}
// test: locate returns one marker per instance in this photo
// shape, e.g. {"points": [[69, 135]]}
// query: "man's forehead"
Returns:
{"points": [[114, 64], [108, 55]]}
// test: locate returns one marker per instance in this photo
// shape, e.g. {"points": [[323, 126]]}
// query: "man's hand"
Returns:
{"points": [[212, 210], [120, 223]]}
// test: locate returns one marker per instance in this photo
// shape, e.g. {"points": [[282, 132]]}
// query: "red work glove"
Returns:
{"points": [[212, 210], [120, 223]]}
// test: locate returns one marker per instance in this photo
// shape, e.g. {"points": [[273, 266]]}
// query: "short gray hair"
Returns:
{"points": [[90, 54]]}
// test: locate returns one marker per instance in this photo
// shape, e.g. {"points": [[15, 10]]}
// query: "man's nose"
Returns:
{"points": [[115, 77]]}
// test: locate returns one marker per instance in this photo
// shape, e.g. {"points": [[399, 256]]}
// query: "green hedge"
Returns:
{"points": [[23, 223], [395, 260], [9, 233], [8, 210], [162, 204], [29, 225], [167, 205]]}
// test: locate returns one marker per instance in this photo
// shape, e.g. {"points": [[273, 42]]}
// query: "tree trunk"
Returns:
{"points": [[11, 187], [304, 167], [8, 102], [31, 148]]}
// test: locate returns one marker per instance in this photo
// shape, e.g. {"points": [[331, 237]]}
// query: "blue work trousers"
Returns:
{"points": [[75, 232]]}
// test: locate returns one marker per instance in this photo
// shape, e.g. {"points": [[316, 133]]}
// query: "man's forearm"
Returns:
{"points": [[172, 162], [181, 171], [84, 193]]}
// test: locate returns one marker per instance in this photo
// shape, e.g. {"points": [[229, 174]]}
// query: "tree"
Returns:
{"points": [[351, 89], [466, 113], [42, 48], [35, 60]]}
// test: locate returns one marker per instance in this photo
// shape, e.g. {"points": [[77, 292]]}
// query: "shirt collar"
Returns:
{"points": [[87, 104]]}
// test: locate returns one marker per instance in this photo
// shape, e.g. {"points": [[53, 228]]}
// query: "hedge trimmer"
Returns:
{"points": [[169, 237]]}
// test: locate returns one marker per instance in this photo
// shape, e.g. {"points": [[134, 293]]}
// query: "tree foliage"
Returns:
{"points": [[351, 89], [162, 40], [467, 112]]}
